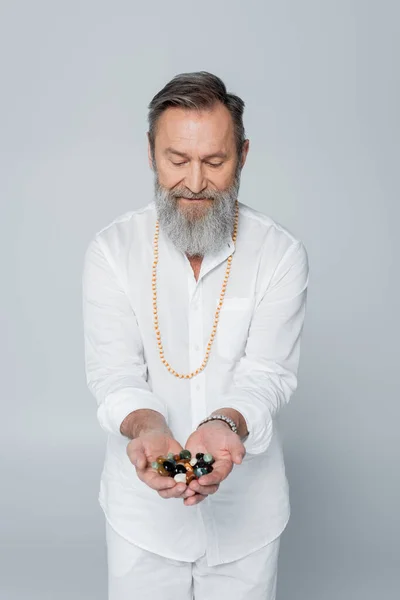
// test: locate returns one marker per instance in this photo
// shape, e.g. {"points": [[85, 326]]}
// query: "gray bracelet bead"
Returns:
{"points": [[227, 420]]}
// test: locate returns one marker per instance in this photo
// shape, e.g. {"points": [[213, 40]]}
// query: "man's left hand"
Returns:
{"points": [[216, 438]]}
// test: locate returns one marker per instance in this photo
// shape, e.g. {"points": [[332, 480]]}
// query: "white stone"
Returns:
{"points": [[180, 477], [193, 461]]}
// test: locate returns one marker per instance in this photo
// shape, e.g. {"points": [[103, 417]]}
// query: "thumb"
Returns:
{"points": [[138, 457], [237, 455]]}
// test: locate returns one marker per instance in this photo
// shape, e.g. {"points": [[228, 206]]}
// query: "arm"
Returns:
{"points": [[266, 376], [116, 373]]}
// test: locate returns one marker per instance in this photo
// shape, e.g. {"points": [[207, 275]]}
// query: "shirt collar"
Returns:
{"points": [[210, 260]]}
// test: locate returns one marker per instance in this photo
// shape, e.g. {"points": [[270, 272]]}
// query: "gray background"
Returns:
{"points": [[321, 86]]}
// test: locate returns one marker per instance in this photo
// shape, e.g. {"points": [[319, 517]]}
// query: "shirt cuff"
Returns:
{"points": [[259, 423], [121, 403]]}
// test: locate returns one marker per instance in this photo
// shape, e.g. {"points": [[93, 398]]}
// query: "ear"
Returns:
{"points": [[149, 152], [245, 150]]}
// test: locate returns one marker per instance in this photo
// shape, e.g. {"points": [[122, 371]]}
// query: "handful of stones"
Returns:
{"points": [[182, 467]]}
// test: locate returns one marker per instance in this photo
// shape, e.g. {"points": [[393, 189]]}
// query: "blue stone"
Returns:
{"points": [[199, 471]]}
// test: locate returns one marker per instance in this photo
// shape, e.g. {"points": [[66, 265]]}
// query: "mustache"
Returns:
{"points": [[185, 193]]}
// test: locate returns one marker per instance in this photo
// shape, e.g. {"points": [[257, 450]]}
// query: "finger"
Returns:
{"points": [[155, 481], [194, 500], [238, 454], [203, 489], [237, 459], [188, 493], [175, 492], [217, 475]]}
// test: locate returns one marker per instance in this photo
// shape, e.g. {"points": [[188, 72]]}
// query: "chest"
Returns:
{"points": [[195, 263]]}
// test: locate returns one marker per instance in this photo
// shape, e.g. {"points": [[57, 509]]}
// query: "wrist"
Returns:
{"points": [[216, 423], [143, 421], [236, 417]]}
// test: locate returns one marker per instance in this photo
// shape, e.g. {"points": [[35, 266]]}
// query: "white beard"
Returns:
{"points": [[197, 231]]}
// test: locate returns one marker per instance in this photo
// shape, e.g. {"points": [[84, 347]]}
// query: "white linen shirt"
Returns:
{"points": [[252, 368]]}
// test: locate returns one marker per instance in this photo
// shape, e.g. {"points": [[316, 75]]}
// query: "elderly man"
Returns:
{"points": [[193, 309]]}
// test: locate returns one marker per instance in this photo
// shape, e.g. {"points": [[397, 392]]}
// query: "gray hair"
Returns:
{"points": [[196, 91]]}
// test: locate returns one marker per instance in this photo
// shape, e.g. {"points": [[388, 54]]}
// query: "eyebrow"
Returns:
{"points": [[219, 154]]}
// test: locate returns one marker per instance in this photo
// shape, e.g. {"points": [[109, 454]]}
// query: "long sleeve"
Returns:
{"points": [[114, 361], [266, 376]]}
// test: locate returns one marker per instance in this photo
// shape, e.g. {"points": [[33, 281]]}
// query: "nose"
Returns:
{"points": [[195, 180]]}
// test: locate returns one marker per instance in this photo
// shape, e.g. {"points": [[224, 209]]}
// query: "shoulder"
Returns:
{"points": [[127, 222], [124, 229], [274, 238]]}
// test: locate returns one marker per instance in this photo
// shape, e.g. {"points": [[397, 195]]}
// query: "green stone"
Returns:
{"points": [[170, 456], [155, 465], [185, 454], [208, 458]]}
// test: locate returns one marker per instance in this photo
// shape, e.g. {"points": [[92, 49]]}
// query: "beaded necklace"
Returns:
{"points": [[216, 317]]}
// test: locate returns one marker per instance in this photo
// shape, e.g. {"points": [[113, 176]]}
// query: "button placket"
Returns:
{"points": [[196, 353]]}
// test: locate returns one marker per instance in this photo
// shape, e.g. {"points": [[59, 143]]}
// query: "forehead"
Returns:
{"points": [[196, 131]]}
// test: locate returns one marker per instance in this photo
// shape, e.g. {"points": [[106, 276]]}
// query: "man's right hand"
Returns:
{"points": [[150, 438], [145, 449]]}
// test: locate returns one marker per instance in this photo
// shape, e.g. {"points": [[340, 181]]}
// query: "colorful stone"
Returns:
{"points": [[200, 471], [180, 478], [183, 466], [179, 468], [169, 466], [185, 454], [161, 471], [190, 477]]}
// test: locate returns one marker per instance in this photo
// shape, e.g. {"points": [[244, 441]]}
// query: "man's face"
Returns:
{"points": [[197, 174]]}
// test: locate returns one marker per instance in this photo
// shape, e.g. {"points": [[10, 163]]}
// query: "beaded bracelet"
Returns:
{"points": [[227, 420]]}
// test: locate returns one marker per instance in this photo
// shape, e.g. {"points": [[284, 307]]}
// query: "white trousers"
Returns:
{"points": [[136, 574]]}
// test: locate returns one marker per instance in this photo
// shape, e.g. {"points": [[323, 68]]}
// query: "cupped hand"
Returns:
{"points": [[216, 438], [145, 449]]}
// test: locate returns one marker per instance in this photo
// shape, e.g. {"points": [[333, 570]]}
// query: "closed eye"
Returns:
{"points": [[179, 164]]}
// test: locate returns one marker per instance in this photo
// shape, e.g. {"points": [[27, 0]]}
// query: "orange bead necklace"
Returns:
{"points": [[216, 318]]}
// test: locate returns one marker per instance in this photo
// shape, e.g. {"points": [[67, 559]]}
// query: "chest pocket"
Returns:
{"points": [[233, 325]]}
